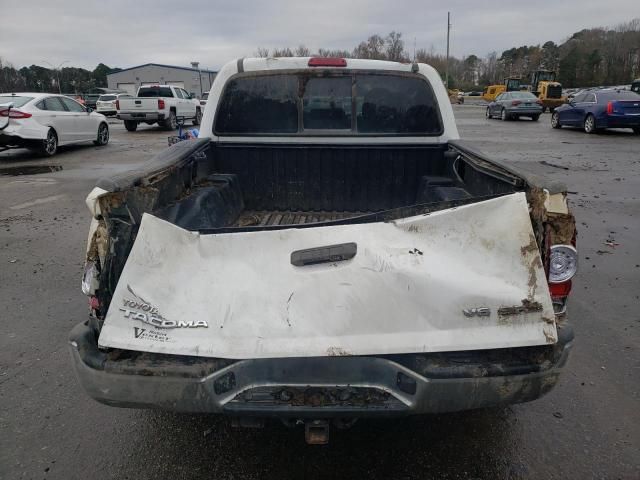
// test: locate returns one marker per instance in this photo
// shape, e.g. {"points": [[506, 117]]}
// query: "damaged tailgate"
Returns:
{"points": [[463, 278]]}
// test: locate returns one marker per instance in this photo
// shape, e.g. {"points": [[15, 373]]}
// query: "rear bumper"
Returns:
{"points": [[141, 117], [525, 111], [620, 121], [317, 387]]}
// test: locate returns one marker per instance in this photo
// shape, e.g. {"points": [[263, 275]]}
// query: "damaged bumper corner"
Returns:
{"points": [[318, 387]]}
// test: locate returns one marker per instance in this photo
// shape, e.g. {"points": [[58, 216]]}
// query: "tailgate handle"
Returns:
{"points": [[326, 254], [138, 102]]}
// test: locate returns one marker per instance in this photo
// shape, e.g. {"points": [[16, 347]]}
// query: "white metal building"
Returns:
{"points": [[193, 79]]}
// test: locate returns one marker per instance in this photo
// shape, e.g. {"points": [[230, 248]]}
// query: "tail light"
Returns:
{"points": [[563, 263], [117, 104], [327, 62], [609, 108], [14, 114], [562, 266], [160, 104], [516, 102]]}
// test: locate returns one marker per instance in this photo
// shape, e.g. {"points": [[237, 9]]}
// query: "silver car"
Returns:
{"points": [[513, 105]]}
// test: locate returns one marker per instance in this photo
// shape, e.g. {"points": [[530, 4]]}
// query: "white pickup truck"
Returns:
{"points": [[328, 249], [165, 105]]}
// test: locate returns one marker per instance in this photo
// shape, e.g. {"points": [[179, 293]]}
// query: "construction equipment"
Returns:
{"points": [[545, 87], [510, 84]]}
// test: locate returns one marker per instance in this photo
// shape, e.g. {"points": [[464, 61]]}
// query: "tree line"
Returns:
{"points": [[590, 57], [40, 79]]}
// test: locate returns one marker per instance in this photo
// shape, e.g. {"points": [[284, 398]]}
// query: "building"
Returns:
{"points": [[193, 79]]}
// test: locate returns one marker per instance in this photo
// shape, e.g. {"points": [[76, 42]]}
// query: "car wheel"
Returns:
{"points": [[636, 130], [590, 124], [131, 125], [171, 123], [487, 114], [504, 116], [555, 120], [198, 119], [544, 109], [103, 135], [49, 145], [535, 118]]}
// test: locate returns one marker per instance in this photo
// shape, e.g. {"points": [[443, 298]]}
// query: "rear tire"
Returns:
{"points": [[544, 109], [504, 116], [131, 125], [487, 114], [535, 118], [103, 135], [171, 122], [49, 146], [198, 119], [555, 120], [589, 124]]}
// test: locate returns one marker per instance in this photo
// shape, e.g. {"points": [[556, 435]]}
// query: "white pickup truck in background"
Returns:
{"points": [[162, 104]]}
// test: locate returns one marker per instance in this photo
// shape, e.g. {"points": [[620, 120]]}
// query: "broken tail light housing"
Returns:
{"points": [[563, 263], [89, 278]]}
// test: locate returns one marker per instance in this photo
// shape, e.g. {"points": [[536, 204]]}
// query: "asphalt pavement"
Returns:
{"points": [[587, 427]]}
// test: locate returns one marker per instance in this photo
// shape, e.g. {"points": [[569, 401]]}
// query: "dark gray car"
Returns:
{"points": [[513, 105]]}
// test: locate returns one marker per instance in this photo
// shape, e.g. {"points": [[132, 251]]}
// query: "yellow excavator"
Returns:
{"points": [[545, 87], [511, 84]]}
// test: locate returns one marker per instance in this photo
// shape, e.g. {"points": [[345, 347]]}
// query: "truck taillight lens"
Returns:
{"points": [[563, 263], [117, 104], [14, 114], [160, 104], [609, 108]]}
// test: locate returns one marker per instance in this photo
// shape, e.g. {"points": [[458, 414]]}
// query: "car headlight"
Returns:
{"points": [[563, 263]]}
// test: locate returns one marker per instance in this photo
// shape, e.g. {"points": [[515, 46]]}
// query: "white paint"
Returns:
{"points": [[385, 300]]}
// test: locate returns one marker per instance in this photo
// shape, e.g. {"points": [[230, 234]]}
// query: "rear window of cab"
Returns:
{"points": [[321, 103]]}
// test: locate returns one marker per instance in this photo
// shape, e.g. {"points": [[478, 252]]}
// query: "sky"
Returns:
{"points": [[128, 33]]}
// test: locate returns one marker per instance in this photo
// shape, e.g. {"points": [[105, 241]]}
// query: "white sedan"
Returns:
{"points": [[44, 121]]}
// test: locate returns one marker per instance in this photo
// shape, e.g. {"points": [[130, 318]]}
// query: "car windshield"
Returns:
{"points": [[523, 95], [155, 92], [348, 103], [106, 98], [17, 101]]}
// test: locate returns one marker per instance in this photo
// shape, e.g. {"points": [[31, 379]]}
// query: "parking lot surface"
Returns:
{"points": [[587, 427]]}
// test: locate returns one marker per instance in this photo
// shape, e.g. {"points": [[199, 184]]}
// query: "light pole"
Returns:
{"points": [[57, 70]]}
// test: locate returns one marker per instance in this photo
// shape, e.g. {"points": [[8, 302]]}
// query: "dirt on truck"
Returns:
{"points": [[328, 249]]}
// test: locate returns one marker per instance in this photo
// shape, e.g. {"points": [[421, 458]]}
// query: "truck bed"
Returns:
{"points": [[249, 218]]}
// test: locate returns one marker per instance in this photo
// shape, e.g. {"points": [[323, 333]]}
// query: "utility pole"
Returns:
{"points": [[446, 75], [56, 70]]}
